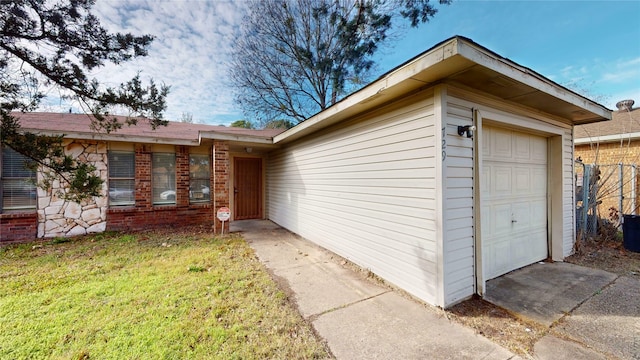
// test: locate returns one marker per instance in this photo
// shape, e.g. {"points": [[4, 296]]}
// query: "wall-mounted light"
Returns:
{"points": [[248, 149], [468, 129]]}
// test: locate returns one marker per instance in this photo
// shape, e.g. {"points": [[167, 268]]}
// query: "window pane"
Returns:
{"points": [[164, 178], [122, 192], [13, 165], [121, 164], [18, 187], [199, 166], [121, 178], [199, 175], [18, 194], [199, 191]]}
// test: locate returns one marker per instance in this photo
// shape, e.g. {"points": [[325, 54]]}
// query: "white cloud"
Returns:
{"points": [[623, 70], [191, 52]]}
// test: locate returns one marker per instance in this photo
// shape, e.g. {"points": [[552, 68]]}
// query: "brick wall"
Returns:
{"points": [[123, 219], [221, 178], [182, 176], [609, 153], [144, 215], [18, 227], [21, 227], [607, 156]]}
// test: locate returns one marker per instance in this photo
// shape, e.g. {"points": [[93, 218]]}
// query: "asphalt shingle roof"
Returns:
{"points": [[80, 123], [622, 122]]}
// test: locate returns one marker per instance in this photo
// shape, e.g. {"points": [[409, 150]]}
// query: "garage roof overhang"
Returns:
{"points": [[459, 60]]}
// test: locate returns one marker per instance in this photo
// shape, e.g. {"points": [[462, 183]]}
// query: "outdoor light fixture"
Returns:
{"points": [[248, 149], [468, 129]]}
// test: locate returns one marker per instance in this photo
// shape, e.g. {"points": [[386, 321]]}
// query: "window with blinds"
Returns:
{"points": [[17, 185], [163, 179], [199, 178], [122, 173]]}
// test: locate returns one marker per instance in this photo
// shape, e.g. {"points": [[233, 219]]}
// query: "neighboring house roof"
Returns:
{"points": [[461, 62], [625, 124], [78, 126]]}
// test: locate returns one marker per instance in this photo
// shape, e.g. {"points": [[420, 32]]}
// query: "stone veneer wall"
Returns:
{"points": [[59, 217]]}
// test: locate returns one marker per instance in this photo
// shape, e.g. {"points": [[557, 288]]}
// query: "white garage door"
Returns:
{"points": [[514, 200]]}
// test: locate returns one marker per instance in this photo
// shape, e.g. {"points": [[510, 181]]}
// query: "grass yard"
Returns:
{"points": [[155, 295]]}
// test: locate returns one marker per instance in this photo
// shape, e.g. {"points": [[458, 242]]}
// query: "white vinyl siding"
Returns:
{"points": [[568, 214], [458, 204], [366, 190]]}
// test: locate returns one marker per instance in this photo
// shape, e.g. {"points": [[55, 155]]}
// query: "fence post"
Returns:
{"points": [[633, 189], [621, 171], [586, 204]]}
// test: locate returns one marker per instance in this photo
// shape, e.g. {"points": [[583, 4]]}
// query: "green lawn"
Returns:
{"points": [[158, 295]]}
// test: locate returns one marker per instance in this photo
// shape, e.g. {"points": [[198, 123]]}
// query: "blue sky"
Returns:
{"points": [[594, 45]]}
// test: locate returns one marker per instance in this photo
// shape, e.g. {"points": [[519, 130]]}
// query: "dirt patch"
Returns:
{"points": [[608, 255], [498, 325]]}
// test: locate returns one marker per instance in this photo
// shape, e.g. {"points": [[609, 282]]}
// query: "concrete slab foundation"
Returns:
{"points": [[545, 292]]}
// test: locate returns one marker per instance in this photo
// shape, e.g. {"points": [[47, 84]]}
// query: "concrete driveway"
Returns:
{"points": [[591, 314]]}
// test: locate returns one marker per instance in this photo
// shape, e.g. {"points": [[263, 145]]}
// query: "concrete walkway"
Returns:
{"points": [[357, 318]]}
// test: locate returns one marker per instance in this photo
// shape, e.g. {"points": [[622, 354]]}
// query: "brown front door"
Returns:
{"points": [[248, 188]]}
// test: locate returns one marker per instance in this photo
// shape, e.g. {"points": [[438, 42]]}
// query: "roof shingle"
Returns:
{"points": [[67, 123], [622, 122]]}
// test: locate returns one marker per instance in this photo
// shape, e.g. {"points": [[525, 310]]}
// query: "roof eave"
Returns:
{"points": [[215, 135], [607, 138], [451, 58], [114, 137]]}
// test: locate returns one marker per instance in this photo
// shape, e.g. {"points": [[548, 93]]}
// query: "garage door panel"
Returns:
{"points": [[501, 145], [502, 180], [539, 150], [500, 254], [501, 219], [539, 213], [514, 199], [521, 212], [539, 180], [522, 146], [522, 177]]}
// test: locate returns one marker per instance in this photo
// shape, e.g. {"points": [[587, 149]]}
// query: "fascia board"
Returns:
{"points": [[231, 137], [394, 78], [115, 137], [607, 138], [528, 77]]}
